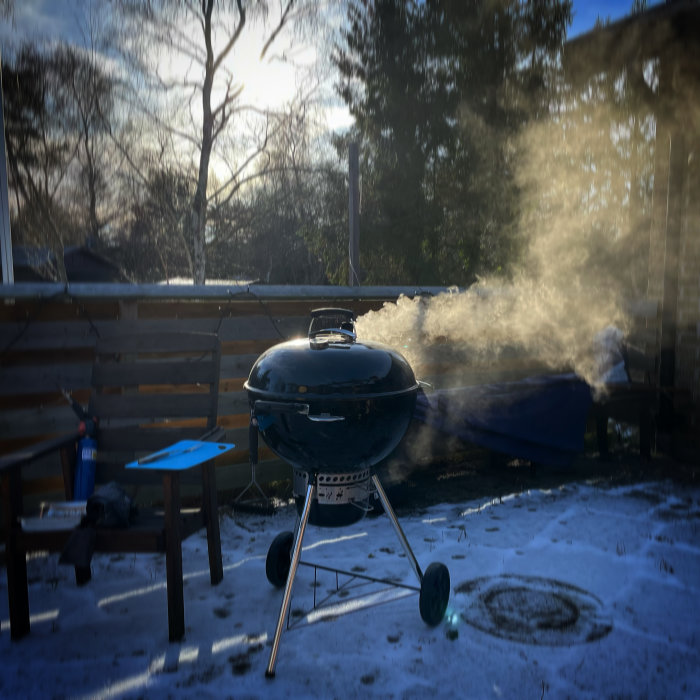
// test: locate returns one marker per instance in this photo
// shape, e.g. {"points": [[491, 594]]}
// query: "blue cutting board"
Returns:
{"points": [[181, 455]]}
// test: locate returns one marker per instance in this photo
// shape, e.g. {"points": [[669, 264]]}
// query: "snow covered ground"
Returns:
{"points": [[581, 591]]}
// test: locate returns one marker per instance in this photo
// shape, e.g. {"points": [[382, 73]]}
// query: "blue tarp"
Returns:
{"points": [[542, 419]]}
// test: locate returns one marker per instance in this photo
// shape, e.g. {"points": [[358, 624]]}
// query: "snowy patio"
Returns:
{"points": [[583, 590]]}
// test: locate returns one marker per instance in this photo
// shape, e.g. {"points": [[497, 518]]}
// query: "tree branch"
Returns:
{"points": [[219, 112], [234, 176], [278, 29], [234, 38]]}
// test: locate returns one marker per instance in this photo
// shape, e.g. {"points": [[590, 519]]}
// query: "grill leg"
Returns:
{"points": [[397, 527], [294, 564]]}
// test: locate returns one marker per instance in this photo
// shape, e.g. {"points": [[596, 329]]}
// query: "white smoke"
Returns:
{"points": [[581, 236]]}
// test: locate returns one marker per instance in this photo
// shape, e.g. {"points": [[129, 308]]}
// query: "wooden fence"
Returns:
{"points": [[48, 334]]}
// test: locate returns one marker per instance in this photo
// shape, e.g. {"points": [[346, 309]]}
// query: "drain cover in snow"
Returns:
{"points": [[532, 610]]}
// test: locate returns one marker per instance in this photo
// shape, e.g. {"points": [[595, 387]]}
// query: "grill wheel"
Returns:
{"points": [[434, 594], [279, 559]]}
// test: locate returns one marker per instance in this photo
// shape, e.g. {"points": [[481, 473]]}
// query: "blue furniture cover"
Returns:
{"points": [[542, 418]]}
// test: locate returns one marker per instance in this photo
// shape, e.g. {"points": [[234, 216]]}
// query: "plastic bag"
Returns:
{"points": [[110, 506]]}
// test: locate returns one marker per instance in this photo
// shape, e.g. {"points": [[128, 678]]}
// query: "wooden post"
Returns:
{"points": [[211, 515], [173, 556], [15, 556], [354, 203]]}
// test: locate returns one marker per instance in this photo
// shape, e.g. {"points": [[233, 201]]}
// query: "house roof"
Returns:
{"points": [[669, 29], [82, 265]]}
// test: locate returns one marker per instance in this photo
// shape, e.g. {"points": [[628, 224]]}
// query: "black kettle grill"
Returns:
{"points": [[333, 407]]}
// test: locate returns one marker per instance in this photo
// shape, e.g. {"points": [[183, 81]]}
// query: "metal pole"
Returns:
{"points": [[8, 274], [354, 204], [294, 565], [397, 527]]}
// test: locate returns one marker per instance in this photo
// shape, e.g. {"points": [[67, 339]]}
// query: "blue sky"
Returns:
{"points": [[586, 12], [59, 16]]}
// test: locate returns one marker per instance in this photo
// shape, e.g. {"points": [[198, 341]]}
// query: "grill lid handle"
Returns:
{"points": [[348, 336], [262, 407], [330, 320]]}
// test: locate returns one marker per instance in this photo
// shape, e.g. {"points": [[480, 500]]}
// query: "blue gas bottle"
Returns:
{"points": [[85, 466]]}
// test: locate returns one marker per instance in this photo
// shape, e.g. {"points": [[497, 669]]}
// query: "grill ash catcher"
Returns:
{"points": [[333, 407]]}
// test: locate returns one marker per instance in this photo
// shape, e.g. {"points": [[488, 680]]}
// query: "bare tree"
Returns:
{"points": [[256, 227], [200, 38], [88, 107]]}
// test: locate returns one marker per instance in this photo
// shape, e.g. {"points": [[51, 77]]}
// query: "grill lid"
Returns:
{"points": [[330, 364]]}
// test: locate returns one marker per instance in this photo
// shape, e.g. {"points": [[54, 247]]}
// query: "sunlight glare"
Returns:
{"points": [[188, 655], [360, 603], [128, 684], [228, 567], [226, 644], [335, 540], [33, 619], [120, 597]]}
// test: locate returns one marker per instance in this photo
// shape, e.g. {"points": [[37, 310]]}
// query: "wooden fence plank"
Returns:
{"points": [[14, 402], [39, 379], [145, 405], [167, 375], [36, 358], [237, 365], [23, 311], [53, 334], [38, 421], [46, 343]]}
